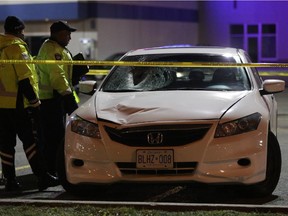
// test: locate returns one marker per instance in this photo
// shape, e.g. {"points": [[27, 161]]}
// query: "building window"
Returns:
{"points": [[268, 41], [258, 39], [237, 36], [252, 29], [237, 29]]}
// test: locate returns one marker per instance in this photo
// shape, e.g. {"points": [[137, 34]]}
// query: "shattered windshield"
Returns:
{"points": [[143, 78]]}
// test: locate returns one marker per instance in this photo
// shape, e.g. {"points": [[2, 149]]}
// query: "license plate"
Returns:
{"points": [[154, 159]]}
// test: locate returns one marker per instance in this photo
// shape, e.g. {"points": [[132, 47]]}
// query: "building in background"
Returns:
{"points": [[259, 27], [107, 27]]}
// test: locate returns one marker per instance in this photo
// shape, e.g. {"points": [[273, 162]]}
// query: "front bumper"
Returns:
{"points": [[239, 159]]}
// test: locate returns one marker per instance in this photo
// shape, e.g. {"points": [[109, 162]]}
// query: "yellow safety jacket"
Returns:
{"points": [[14, 48], [54, 76]]}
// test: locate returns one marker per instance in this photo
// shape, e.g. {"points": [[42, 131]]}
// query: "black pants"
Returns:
{"points": [[53, 130], [18, 122]]}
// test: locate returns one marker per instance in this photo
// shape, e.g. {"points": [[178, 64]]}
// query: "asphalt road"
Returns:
{"points": [[163, 193]]}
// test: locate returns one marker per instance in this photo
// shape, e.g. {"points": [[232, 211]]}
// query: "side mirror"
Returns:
{"points": [[271, 86], [87, 86]]}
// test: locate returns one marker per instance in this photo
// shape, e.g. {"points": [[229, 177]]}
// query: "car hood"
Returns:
{"points": [[124, 108]]}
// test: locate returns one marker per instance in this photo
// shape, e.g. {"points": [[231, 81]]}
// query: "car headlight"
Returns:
{"points": [[85, 128], [238, 126]]}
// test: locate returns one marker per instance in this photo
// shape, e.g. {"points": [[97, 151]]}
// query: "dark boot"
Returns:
{"points": [[47, 180], [12, 185], [38, 167]]}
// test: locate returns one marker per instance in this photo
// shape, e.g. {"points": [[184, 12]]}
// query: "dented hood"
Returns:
{"points": [[140, 107]]}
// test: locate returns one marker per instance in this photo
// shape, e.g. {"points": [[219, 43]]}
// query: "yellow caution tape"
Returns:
{"points": [[154, 64], [146, 64], [272, 73], [105, 72], [98, 72]]}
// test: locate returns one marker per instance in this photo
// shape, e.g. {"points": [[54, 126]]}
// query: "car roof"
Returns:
{"points": [[185, 50]]}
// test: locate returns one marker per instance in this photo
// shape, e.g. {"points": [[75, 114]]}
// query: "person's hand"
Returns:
{"points": [[69, 103], [34, 103]]}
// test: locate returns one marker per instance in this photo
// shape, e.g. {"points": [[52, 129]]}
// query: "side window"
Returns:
{"points": [[255, 73], [257, 77]]}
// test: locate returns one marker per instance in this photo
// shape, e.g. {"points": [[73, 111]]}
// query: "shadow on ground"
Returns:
{"points": [[192, 193]]}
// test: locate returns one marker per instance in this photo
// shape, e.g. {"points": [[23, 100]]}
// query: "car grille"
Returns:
{"points": [[179, 168], [162, 135]]}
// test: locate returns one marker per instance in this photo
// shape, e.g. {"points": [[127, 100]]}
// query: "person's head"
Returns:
{"points": [[14, 26], [61, 32]]}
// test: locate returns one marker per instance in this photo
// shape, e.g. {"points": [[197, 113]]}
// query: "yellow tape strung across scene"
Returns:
{"points": [[262, 73], [273, 73], [97, 72], [145, 64], [155, 64], [105, 72]]}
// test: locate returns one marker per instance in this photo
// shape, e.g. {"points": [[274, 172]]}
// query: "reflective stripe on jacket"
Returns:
{"points": [[13, 48], [54, 76]]}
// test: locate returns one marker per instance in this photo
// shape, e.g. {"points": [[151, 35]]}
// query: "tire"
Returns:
{"points": [[273, 170], [61, 172]]}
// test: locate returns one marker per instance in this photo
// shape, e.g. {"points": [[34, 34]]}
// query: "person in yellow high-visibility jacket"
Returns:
{"points": [[19, 105], [56, 92]]}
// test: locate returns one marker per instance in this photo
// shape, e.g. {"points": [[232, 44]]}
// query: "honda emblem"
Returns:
{"points": [[155, 138]]}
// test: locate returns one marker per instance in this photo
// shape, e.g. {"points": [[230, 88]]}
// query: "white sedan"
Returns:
{"points": [[178, 123]]}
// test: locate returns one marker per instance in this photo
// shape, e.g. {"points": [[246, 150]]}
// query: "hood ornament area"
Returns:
{"points": [[155, 138]]}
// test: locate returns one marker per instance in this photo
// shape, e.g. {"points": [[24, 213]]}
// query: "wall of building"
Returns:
{"points": [[215, 18], [108, 26], [123, 26], [124, 35]]}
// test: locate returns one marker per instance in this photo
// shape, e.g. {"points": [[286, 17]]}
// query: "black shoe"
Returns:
{"points": [[12, 185], [47, 181]]}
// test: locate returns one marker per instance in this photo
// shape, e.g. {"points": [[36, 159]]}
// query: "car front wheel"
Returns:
{"points": [[61, 171], [273, 170]]}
